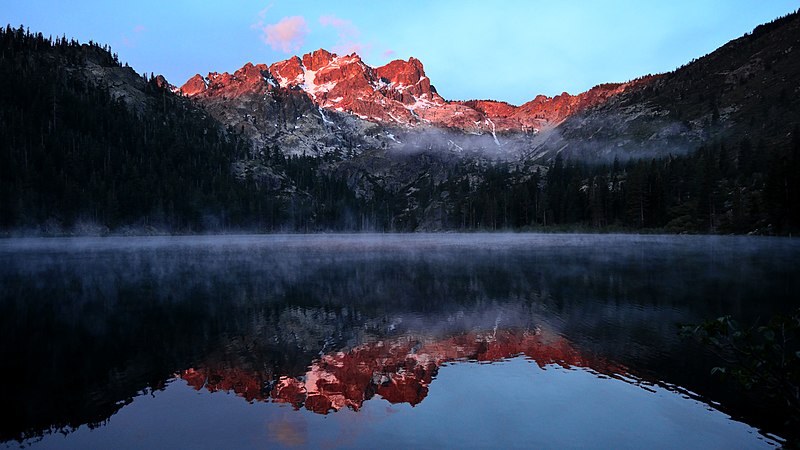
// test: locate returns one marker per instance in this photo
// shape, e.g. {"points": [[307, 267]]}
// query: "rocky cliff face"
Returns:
{"points": [[276, 113], [396, 94], [321, 103]]}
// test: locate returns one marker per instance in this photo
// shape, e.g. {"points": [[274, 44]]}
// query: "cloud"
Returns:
{"points": [[345, 28], [359, 48], [348, 36], [132, 38], [287, 35], [263, 13], [388, 53]]}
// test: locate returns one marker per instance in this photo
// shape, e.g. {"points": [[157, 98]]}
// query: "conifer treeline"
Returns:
{"points": [[71, 153], [716, 189]]}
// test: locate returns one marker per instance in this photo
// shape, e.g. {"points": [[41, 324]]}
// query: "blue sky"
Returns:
{"points": [[502, 50]]}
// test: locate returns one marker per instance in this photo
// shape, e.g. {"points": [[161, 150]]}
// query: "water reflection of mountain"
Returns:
{"points": [[398, 370], [85, 327]]}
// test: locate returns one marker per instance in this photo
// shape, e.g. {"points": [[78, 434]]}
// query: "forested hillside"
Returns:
{"points": [[77, 150], [89, 146]]}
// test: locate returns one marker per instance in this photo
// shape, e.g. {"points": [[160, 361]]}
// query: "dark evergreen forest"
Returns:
{"points": [[75, 157]]}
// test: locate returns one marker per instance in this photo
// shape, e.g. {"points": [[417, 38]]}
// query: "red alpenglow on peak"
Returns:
{"points": [[250, 78], [194, 86], [397, 93], [399, 370]]}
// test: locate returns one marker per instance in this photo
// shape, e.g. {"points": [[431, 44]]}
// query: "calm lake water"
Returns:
{"points": [[380, 341]]}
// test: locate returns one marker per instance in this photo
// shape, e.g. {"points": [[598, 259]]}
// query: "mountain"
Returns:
{"points": [[398, 97], [734, 92], [326, 142], [747, 90], [88, 144], [250, 101], [398, 93]]}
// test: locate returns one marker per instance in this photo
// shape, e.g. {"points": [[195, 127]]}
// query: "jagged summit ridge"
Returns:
{"points": [[398, 93]]}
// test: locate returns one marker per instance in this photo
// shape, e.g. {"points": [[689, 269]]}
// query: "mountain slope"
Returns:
{"points": [[397, 95], [250, 101], [88, 144], [749, 89]]}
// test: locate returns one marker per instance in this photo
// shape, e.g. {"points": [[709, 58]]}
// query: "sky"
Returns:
{"points": [[501, 50]]}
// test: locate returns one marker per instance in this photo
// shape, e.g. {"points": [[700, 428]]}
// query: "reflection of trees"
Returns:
{"points": [[83, 332], [762, 360]]}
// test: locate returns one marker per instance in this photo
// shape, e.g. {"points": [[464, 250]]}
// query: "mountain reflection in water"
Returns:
{"points": [[324, 323], [399, 370]]}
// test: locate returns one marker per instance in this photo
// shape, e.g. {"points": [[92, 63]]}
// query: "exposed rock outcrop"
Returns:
{"points": [[398, 93]]}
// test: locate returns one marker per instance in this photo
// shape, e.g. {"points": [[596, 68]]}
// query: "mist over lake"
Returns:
{"points": [[347, 340]]}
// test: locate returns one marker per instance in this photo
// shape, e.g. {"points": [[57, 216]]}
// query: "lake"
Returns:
{"points": [[381, 341]]}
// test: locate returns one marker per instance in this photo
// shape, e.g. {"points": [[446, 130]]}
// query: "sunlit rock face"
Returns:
{"points": [[249, 79], [398, 93], [399, 370], [194, 86]]}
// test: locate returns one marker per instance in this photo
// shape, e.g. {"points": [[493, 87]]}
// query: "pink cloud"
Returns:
{"points": [[344, 28], [388, 53], [345, 48], [287, 35], [333, 21], [130, 39], [348, 36], [263, 13]]}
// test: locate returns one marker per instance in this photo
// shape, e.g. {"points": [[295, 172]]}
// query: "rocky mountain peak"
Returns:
{"points": [[398, 93], [194, 86], [406, 72], [317, 59]]}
